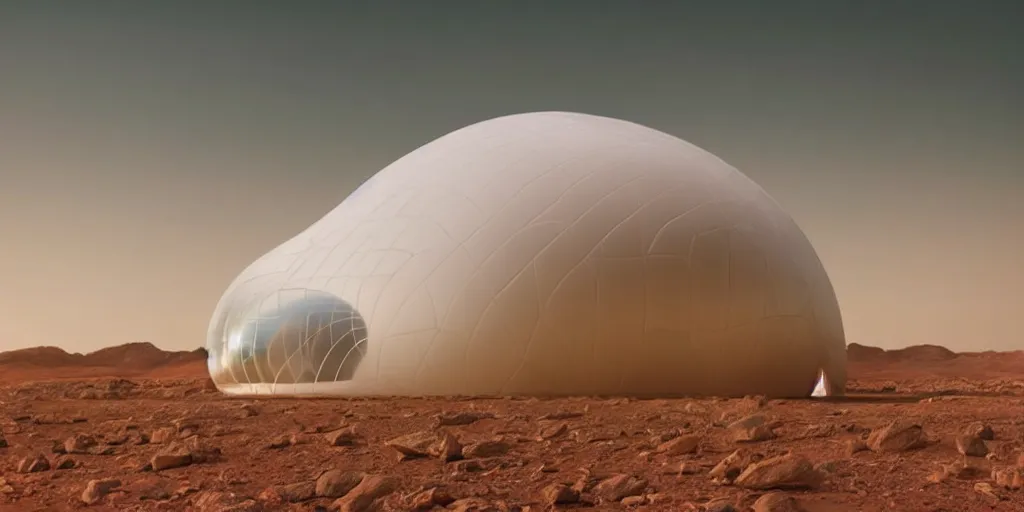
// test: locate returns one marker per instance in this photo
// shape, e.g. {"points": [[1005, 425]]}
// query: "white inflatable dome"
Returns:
{"points": [[539, 254]]}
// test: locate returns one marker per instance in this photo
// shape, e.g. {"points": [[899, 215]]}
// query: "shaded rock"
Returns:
{"points": [[753, 434], [279, 442], [552, 431], [777, 502], [34, 464], [66, 463], [634, 501], [971, 446], [620, 486], [290, 493], [95, 490], [819, 431], [337, 483], [3, 441], [58, 448], [681, 445], [215, 501], [475, 505], [342, 437], [732, 465], [485, 449], [960, 470], [562, 415], [981, 431], [1008, 478], [173, 457], [897, 436], [451, 419], [79, 443], [559, 494], [162, 435], [449, 449], [784, 472], [416, 444], [855, 446], [430, 498], [151, 488], [362, 497], [986, 489], [747, 422], [201, 451]]}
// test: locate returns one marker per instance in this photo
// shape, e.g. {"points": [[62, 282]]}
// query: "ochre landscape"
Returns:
{"points": [[137, 428]]}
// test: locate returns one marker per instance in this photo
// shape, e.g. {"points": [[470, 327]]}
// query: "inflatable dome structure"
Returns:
{"points": [[539, 254]]}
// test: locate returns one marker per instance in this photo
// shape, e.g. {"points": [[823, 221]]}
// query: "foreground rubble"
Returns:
{"points": [[179, 445]]}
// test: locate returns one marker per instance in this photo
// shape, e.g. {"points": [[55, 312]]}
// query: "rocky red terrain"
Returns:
{"points": [[136, 428]]}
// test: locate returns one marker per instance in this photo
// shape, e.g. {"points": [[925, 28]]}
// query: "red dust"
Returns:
{"points": [[136, 428]]}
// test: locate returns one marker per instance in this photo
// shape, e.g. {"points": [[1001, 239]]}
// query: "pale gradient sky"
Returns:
{"points": [[150, 150]]}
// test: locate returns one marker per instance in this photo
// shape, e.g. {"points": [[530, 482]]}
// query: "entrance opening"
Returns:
{"points": [[821, 387], [297, 337]]}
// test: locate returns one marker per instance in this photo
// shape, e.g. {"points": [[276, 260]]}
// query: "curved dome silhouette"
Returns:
{"points": [[545, 253]]}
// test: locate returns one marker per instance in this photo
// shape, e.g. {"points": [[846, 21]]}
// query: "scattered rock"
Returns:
{"points": [[784, 472], [95, 490], [79, 443], [971, 445], [279, 442], [559, 494], [485, 449], [475, 505], [960, 470], [552, 431], [897, 436], [620, 486], [449, 449], [777, 502], [416, 444], [855, 446], [980, 430], [337, 483], [170, 458], [66, 463], [986, 489], [681, 445], [430, 498], [451, 419], [732, 465], [342, 437], [1008, 478], [362, 497], [162, 435], [755, 434], [34, 464], [562, 415]]}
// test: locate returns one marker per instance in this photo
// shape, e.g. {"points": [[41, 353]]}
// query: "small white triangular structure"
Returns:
{"points": [[819, 389]]}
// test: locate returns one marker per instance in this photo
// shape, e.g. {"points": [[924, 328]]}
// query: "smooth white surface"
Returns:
{"points": [[545, 254]]}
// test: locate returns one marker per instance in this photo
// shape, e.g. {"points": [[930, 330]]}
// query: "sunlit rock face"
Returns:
{"points": [[539, 254]]}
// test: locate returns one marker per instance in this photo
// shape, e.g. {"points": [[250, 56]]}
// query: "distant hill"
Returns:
{"points": [[128, 360], [920, 361], [144, 360], [920, 353]]}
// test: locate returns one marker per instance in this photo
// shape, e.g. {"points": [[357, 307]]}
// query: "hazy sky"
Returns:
{"points": [[151, 150]]}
